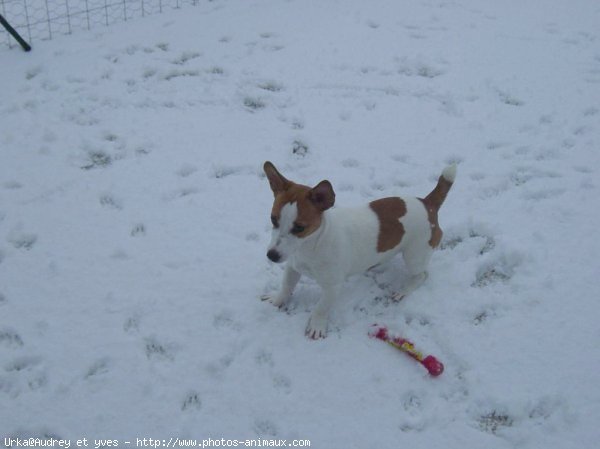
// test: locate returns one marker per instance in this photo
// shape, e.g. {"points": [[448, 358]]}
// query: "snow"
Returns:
{"points": [[134, 223]]}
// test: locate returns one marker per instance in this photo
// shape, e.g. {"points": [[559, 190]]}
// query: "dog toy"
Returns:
{"points": [[433, 365]]}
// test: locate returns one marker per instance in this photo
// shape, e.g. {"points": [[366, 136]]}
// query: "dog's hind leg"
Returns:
{"points": [[416, 259], [413, 283]]}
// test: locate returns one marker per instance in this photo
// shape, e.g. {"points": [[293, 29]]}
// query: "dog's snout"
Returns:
{"points": [[273, 255]]}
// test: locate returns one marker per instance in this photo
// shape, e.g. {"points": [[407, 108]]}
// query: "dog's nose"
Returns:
{"points": [[273, 255]]}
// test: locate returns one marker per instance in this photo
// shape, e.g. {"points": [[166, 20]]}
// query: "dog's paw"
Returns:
{"points": [[413, 283], [276, 300], [317, 327]]}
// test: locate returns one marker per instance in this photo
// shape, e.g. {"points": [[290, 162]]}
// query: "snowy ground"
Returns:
{"points": [[134, 222]]}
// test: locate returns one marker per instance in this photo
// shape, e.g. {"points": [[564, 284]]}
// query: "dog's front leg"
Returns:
{"points": [[290, 280], [317, 324]]}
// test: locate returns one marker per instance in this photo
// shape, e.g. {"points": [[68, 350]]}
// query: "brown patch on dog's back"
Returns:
{"points": [[389, 211]]}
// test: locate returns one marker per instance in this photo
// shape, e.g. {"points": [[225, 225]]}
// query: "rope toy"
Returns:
{"points": [[433, 365]]}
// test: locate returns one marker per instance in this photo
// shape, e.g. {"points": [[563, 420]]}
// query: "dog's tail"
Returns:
{"points": [[437, 196]]}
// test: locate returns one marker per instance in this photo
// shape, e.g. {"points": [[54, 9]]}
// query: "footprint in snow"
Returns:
{"points": [[33, 72], [510, 99], [215, 70], [418, 68], [523, 175], [96, 159], [132, 325], [412, 420], [494, 421], [481, 240], [350, 163], [138, 230], [11, 185], [180, 73], [149, 72], [265, 428], [110, 136], [109, 201], [264, 358], [581, 130], [186, 170], [496, 145], [270, 47], [23, 373], [99, 367], [547, 409], [544, 412], [299, 148], [499, 270], [181, 193], [10, 338], [477, 176], [191, 402], [223, 171], [185, 57], [156, 350], [217, 369], [132, 50], [270, 86], [225, 320], [547, 154], [418, 319], [411, 402], [282, 383], [254, 104], [253, 237], [22, 240], [484, 314]]}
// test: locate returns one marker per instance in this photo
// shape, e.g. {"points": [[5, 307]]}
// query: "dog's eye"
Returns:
{"points": [[274, 221], [297, 229]]}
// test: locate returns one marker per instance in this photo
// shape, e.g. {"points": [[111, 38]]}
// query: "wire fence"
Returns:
{"points": [[43, 19]]}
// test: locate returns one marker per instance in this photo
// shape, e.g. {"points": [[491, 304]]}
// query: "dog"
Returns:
{"points": [[329, 245]]}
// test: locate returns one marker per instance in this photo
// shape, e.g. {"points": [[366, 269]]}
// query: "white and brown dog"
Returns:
{"points": [[329, 245]]}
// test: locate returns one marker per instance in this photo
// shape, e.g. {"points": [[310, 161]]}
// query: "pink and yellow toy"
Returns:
{"points": [[433, 365]]}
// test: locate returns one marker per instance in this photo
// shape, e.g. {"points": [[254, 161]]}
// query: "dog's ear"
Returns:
{"points": [[277, 181], [322, 195]]}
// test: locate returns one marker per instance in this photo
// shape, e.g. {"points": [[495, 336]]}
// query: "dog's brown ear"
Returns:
{"points": [[322, 195], [277, 181]]}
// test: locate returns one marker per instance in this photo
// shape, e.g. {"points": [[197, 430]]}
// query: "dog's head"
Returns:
{"points": [[297, 212]]}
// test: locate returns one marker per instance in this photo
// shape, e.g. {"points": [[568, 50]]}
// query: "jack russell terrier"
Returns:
{"points": [[329, 245]]}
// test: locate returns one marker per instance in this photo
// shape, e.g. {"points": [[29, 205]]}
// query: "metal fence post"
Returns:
{"points": [[43, 19], [48, 20], [68, 16], [14, 34]]}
